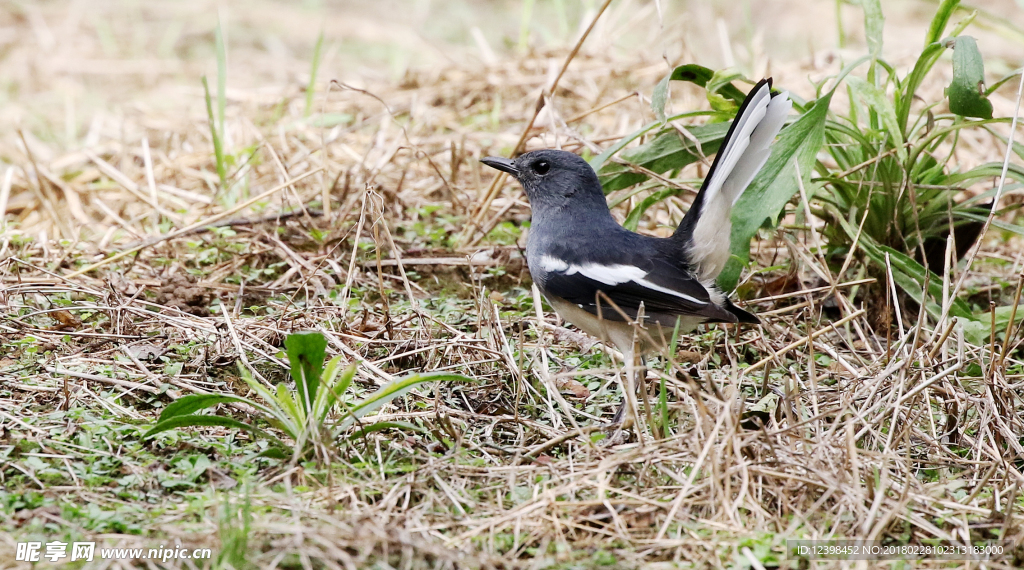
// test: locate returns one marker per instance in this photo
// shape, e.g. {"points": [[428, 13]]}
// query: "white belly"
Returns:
{"points": [[620, 334]]}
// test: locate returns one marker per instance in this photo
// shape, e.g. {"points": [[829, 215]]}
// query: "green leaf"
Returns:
{"points": [[633, 218], [940, 21], [311, 86], [925, 62], [1006, 226], [878, 101], [394, 389], [966, 92], [194, 402], [306, 351], [722, 94], [908, 274], [773, 187], [874, 23], [296, 418], [332, 370], [218, 148], [1000, 82], [598, 161], [668, 151], [274, 453], [722, 81], [335, 390], [207, 421], [700, 75], [379, 426]]}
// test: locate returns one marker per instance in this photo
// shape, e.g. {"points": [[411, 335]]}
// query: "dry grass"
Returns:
{"points": [[355, 221]]}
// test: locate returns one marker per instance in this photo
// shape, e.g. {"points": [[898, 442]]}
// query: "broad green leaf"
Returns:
{"points": [[668, 151], [720, 81], [306, 351], [722, 94], [700, 75], [768, 404], [192, 403], [977, 331], [597, 163], [966, 92], [773, 187], [207, 421], [274, 453]]}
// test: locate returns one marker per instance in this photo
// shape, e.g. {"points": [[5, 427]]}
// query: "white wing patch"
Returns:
{"points": [[612, 275], [657, 287], [553, 264]]}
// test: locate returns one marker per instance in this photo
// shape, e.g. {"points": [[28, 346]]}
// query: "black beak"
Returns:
{"points": [[502, 164]]}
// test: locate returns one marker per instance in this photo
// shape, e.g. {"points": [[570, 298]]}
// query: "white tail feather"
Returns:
{"points": [[753, 158], [739, 160]]}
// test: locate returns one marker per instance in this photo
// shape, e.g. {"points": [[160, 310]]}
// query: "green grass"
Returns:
{"points": [[834, 436]]}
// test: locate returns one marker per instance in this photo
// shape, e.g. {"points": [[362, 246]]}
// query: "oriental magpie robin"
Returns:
{"points": [[581, 258]]}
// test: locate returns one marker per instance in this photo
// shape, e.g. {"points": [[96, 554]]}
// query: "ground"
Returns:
{"points": [[157, 242]]}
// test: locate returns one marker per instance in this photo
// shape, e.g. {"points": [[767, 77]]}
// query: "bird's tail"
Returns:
{"points": [[706, 227]]}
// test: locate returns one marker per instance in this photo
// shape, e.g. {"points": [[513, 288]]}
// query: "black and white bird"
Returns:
{"points": [[581, 258]]}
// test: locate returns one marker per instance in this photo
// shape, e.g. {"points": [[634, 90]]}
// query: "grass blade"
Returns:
{"points": [[194, 402], [218, 148], [314, 68], [207, 421]]}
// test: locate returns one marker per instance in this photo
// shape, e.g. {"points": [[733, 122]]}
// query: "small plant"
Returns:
{"points": [[887, 189], [891, 184], [304, 414]]}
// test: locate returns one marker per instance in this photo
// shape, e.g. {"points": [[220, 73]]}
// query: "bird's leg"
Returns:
{"points": [[625, 416], [629, 391], [642, 387]]}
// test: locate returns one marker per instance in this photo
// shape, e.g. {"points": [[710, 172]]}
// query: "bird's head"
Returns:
{"points": [[554, 179]]}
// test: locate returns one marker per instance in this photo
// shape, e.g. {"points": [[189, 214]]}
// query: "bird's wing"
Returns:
{"points": [[666, 291]]}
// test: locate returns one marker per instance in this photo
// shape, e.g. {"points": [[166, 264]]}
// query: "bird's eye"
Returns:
{"points": [[541, 167]]}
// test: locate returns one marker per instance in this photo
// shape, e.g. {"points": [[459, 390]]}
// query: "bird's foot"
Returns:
{"points": [[618, 428]]}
